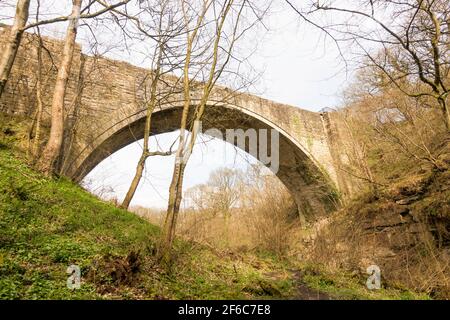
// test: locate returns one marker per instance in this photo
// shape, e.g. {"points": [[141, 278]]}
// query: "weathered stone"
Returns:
{"points": [[408, 200], [106, 106]]}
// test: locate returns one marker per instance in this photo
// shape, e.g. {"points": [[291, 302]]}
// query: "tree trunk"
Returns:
{"points": [[53, 146], [134, 184], [72, 120], [446, 112], [147, 130], [11, 47], [176, 185], [184, 151], [168, 232], [37, 135]]}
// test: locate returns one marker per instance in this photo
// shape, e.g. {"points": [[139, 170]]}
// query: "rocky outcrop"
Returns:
{"points": [[405, 231]]}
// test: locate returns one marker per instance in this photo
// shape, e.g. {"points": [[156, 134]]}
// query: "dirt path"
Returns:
{"points": [[306, 293], [303, 292]]}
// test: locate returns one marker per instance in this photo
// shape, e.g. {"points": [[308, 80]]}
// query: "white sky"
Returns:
{"points": [[298, 69]]}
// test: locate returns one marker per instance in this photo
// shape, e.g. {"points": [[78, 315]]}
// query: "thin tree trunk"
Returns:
{"points": [[446, 112], [147, 130], [11, 47], [72, 119], [37, 135], [34, 135], [168, 232], [53, 146], [169, 227], [134, 184]]}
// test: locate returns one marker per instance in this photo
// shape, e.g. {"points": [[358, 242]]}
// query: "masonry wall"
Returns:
{"points": [[20, 94]]}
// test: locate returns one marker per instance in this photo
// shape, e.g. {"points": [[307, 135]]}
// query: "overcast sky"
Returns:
{"points": [[297, 69]]}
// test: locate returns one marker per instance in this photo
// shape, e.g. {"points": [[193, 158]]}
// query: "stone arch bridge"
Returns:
{"points": [[105, 107]]}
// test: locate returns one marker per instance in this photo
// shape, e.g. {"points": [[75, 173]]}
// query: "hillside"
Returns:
{"points": [[403, 228], [47, 225]]}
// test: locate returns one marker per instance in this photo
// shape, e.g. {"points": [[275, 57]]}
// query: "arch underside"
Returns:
{"points": [[309, 186]]}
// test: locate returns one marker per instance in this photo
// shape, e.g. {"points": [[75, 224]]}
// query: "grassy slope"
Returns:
{"points": [[428, 192], [47, 225]]}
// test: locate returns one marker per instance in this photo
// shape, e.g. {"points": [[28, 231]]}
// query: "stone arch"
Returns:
{"points": [[109, 115], [310, 186]]}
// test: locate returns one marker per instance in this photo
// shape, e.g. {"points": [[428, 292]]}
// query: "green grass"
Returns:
{"points": [[48, 224]]}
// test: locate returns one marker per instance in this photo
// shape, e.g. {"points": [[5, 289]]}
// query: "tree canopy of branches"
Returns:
{"points": [[212, 30], [408, 42], [20, 26]]}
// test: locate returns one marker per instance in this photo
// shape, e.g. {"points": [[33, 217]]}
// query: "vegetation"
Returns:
{"points": [[241, 211], [195, 39], [351, 286], [48, 224], [395, 122], [240, 235], [263, 220], [409, 242], [398, 155]]}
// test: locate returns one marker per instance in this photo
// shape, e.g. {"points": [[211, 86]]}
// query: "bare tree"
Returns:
{"points": [[226, 184], [168, 27], [168, 232], [220, 193], [36, 127], [219, 50], [407, 41], [393, 122], [198, 197], [262, 214], [35, 130], [20, 26], [54, 143]]}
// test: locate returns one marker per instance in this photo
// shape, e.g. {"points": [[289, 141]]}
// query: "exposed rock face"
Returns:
{"points": [[405, 231]]}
